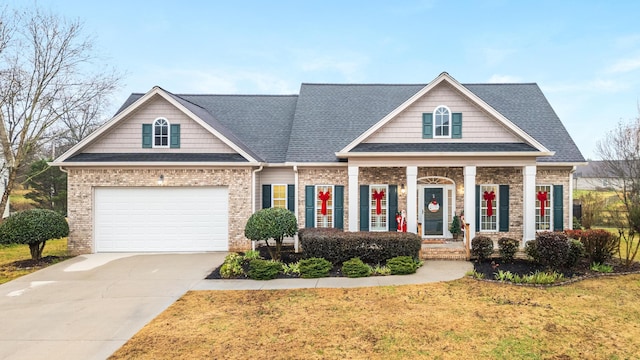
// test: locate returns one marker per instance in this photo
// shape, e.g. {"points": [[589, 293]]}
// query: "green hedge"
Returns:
{"points": [[371, 247]]}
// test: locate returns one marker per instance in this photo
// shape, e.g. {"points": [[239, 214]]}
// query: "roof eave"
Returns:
{"points": [[152, 164], [447, 153]]}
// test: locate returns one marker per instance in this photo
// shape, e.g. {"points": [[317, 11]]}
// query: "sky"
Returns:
{"points": [[584, 55]]}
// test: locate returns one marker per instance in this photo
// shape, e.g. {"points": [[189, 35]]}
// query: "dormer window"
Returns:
{"points": [[161, 133], [442, 122]]}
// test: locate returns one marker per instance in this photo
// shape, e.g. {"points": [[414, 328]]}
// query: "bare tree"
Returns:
{"points": [[45, 78], [620, 154]]}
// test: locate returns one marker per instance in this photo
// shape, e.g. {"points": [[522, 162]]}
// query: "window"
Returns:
{"points": [[324, 206], [279, 196], [489, 207], [442, 122], [378, 208], [161, 133], [543, 208]]}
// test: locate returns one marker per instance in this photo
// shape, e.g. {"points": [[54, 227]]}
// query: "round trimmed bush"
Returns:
{"points": [[552, 249], [508, 248], [315, 268], [232, 266], [402, 265], [355, 268], [260, 269], [33, 227], [481, 247]]}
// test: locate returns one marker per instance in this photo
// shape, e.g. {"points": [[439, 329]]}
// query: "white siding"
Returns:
{"points": [[126, 137], [477, 125], [270, 176]]}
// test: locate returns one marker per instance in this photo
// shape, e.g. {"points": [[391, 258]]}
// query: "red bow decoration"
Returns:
{"points": [[324, 196], [378, 196], [542, 197], [489, 196]]}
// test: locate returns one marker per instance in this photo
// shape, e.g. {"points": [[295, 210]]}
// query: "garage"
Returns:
{"points": [[160, 219]]}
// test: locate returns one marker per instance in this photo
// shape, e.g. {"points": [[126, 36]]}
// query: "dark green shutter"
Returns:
{"points": [[392, 207], [338, 206], [309, 206], [503, 208], [266, 196], [174, 142], [147, 135], [291, 198], [427, 126], [456, 126], [477, 207], [364, 207], [557, 208]]}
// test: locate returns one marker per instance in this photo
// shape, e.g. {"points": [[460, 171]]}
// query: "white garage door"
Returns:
{"points": [[160, 219]]}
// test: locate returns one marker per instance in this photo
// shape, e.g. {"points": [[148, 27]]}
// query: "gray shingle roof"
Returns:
{"points": [[324, 118]]}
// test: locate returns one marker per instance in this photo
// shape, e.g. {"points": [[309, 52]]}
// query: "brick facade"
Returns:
{"points": [[82, 181]]}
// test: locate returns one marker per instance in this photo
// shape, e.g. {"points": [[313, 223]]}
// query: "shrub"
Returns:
{"points": [[292, 268], [380, 270], [271, 223], [481, 247], [355, 268], [531, 249], [576, 252], [260, 269], [599, 245], [33, 227], [603, 268], [232, 266], [552, 249], [252, 254], [402, 265], [371, 247], [314, 268], [508, 248]]}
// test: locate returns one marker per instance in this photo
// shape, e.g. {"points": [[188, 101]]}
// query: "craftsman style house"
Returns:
{"points": [[176, 172]]}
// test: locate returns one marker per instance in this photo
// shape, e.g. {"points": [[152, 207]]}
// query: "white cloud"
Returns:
{"points": [[503, 79], [625, 65], [349, 66]]}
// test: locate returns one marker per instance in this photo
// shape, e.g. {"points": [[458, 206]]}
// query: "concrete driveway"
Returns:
{"points": [[89, 306]]}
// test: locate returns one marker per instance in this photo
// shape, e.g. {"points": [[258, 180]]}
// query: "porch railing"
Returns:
{"points": [[467, 241]]}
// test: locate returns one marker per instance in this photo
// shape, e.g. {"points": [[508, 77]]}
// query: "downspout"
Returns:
{"points": [[295, 205], [253, 196]]}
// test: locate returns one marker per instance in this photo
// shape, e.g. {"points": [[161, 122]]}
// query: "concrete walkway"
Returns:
{"points": [[89, 306]]}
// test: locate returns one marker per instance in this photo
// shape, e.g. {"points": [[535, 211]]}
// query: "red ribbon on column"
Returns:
{"points": [[324, 196], [542, 197], [378, 196], [489, 196]]}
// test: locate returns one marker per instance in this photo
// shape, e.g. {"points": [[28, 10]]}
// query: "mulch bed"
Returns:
{"points": [[34, 264], [525, 267]]}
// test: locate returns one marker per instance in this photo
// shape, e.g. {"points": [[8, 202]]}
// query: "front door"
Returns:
{"points": [[433, 211]]}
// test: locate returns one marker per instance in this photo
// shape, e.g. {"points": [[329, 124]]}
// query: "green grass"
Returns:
{"points": [[12, 253]]}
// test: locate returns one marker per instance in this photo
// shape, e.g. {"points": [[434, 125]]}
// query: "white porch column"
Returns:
{"points": [[571, 197], [412, 199], [529, 204], [353, 198], [470, 199]]}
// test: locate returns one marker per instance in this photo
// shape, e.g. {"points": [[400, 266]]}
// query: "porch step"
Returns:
{"points": [[432, 252]]}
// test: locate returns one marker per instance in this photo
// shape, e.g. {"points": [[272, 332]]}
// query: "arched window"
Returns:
{"points": [[442, 122], [161, 133]]}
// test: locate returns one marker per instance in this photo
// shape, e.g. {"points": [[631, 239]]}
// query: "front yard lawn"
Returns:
{"points": [[590, 319], [15, 260]]}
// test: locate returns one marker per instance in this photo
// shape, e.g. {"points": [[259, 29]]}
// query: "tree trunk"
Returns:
{"points": [[7, 191], [36, 250]]}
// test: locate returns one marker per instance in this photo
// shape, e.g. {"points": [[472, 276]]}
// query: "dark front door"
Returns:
{"points": [[433, 212]]}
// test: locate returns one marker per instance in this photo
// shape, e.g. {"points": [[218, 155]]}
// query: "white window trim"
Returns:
{"points": [[153, 134], [386, 193], [496, 211], [548, 208], [435, 126], [332, 207], [273, 198]]}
